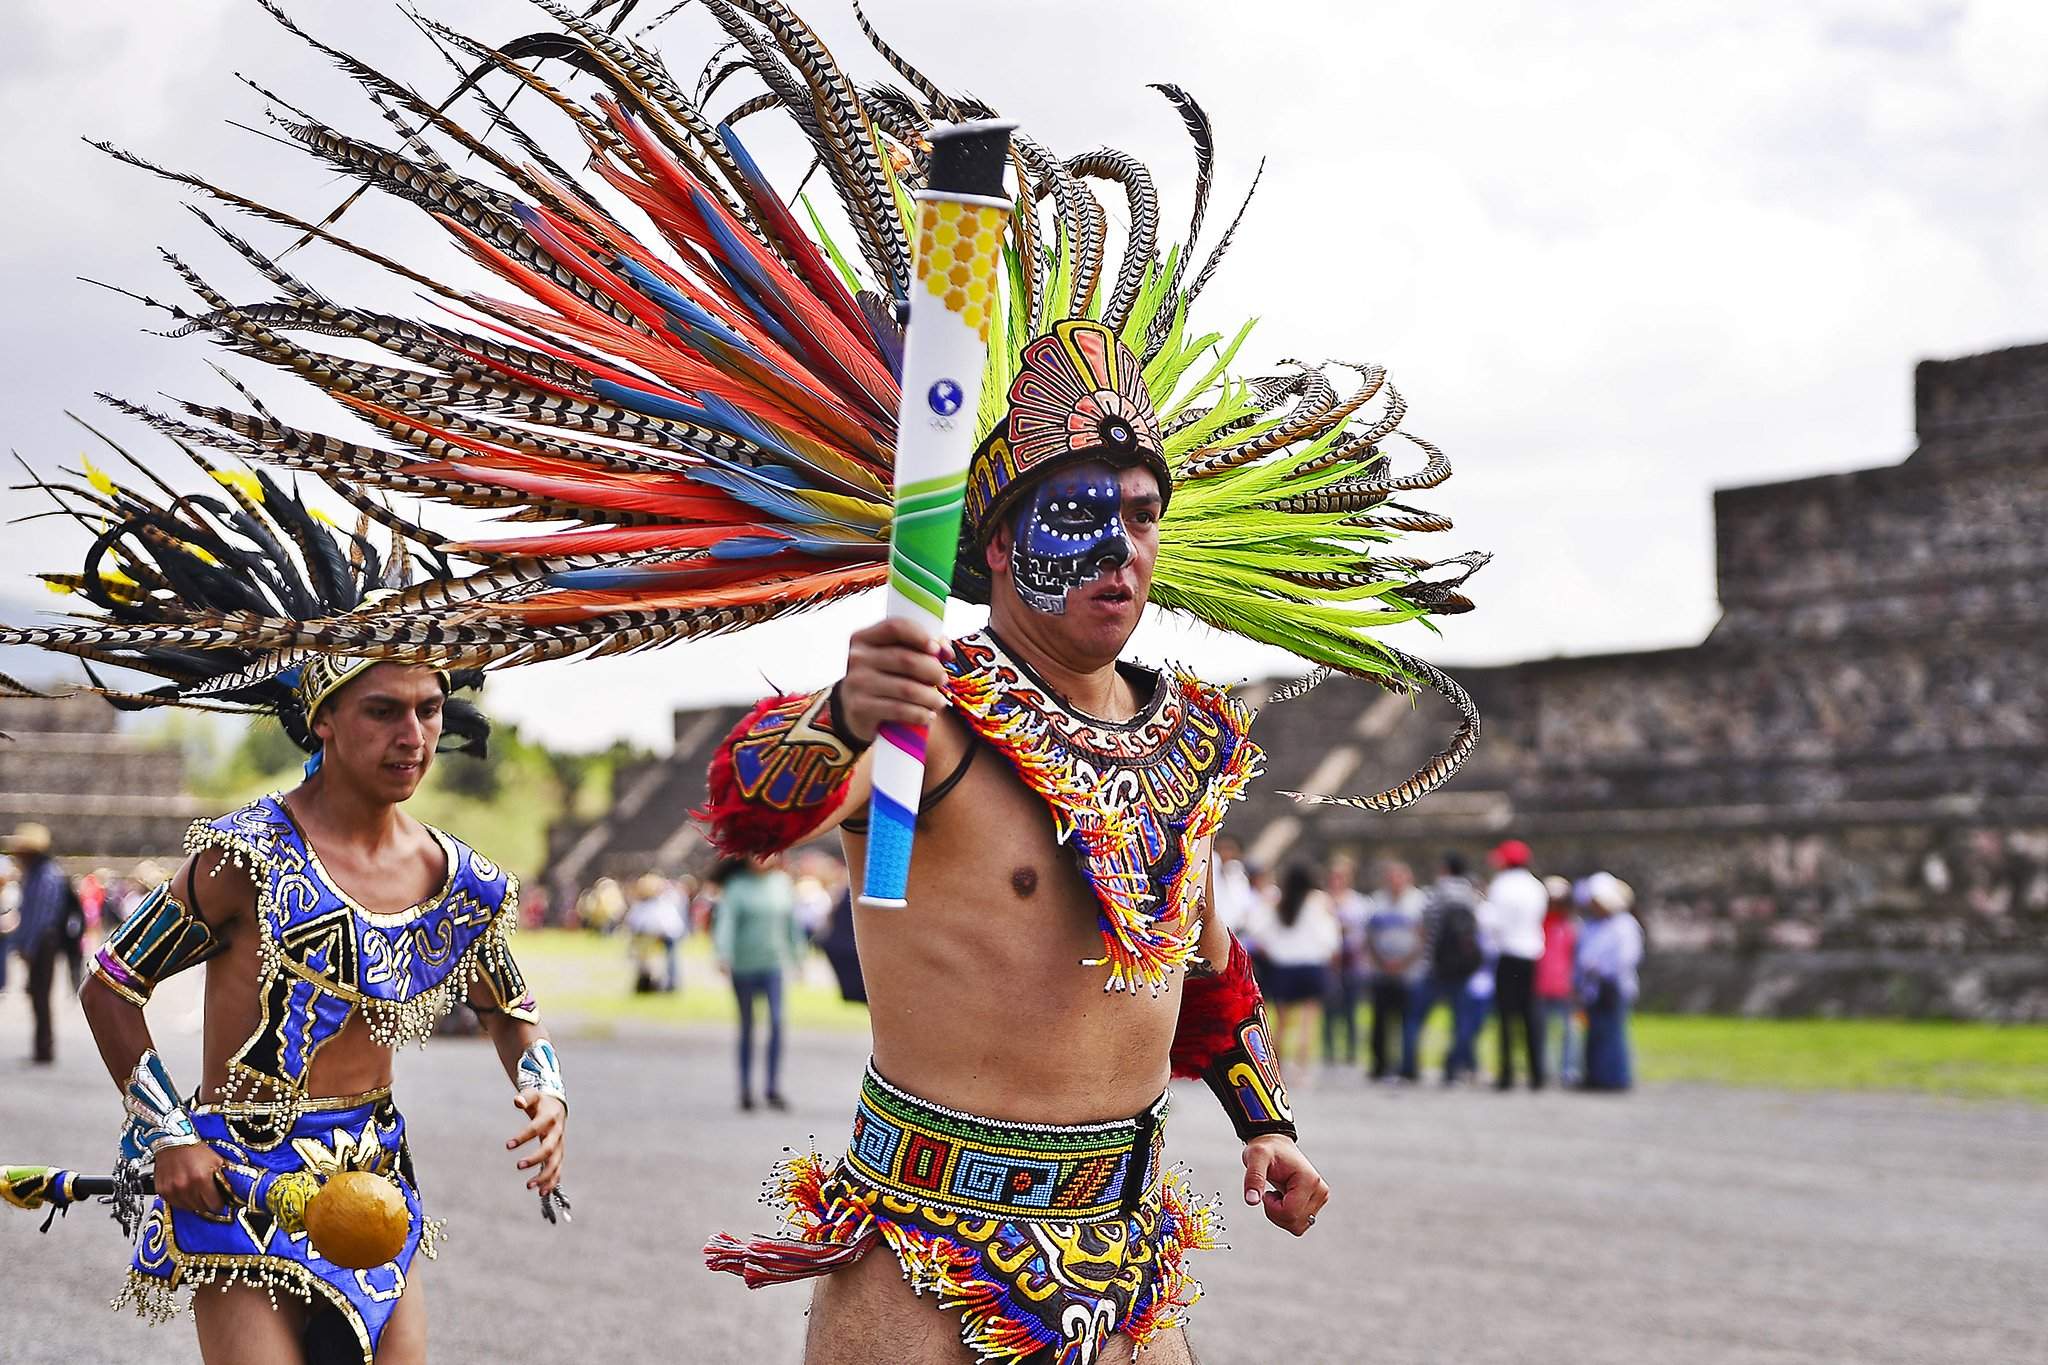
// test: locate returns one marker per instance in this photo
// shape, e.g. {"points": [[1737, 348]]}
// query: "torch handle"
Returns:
{"points": [[962, 217]]}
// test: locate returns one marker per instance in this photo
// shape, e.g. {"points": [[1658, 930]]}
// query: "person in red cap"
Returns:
{"points": [[1513, 916]]}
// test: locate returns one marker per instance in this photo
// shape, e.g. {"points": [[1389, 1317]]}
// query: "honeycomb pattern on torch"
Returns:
{"points": [[959, 247]]}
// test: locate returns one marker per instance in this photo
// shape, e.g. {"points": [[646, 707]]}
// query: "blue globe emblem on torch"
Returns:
{"points": [[945, 397]]}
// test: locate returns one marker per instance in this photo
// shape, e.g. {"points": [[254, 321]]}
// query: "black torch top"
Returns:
{"points": [[968, 158]]}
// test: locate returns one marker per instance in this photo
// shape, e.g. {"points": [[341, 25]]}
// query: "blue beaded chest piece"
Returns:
{"points": [[325, 958]]}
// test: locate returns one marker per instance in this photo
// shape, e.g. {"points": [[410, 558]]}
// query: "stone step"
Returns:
{"points": [[100, 805], [86, 741], [21, 716], [141, 772]]}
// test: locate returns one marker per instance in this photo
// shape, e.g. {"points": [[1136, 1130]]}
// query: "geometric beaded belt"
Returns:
{"points": [[1030, 1171]]}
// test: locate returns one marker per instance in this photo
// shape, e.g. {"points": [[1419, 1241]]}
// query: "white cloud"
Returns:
{"points": [[1616, 254]]}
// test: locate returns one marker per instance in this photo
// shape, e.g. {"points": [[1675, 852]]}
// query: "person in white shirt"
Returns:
{"points": [[1233, 894], [1512, 916], [656, 917], [1610, 950], [1298, 935]]}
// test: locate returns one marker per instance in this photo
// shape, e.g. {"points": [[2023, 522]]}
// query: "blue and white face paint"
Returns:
{"points": [[1069, 531]]}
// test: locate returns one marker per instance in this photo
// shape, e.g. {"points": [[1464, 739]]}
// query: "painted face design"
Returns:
{"points": [[1069, 530]]}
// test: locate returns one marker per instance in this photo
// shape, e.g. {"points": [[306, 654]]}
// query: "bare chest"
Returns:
{"points": [[982, 992]]}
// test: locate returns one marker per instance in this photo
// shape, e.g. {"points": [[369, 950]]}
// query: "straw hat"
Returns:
{"points": [[1607, 891], [27, 838]]}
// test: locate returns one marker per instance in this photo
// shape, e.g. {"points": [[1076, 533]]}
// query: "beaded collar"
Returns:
{"points": [[1133, 799], [325, 958]]}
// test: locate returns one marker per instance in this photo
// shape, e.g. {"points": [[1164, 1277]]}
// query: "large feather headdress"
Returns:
{"points": [[689, 378]]}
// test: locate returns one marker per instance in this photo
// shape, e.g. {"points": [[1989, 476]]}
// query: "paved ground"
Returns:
{"points": [[1676, 1226]]}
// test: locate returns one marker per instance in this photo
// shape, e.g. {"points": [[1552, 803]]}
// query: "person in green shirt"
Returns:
{"points": [[754, 929]]}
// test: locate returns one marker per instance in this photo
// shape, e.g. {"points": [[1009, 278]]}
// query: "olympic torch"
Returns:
{"points": [[962, 214]]}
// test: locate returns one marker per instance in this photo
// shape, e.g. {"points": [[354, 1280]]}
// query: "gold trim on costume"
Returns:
{"points": [[391, 919], [392, 1024]]}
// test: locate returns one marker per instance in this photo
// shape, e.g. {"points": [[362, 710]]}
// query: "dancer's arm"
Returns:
{"points": [[512, 1019], [1222, 1039], [177, 926], [797, 765]]}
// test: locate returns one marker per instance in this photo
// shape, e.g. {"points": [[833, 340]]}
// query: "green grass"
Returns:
{"points": [[1928, 1057], [1964, 1060], [583, 981]]}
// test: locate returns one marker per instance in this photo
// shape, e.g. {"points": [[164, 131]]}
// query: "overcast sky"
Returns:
{"points": [[1617, 255]]}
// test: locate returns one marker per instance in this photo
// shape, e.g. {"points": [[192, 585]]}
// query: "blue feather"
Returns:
{"points": [[691, 314], [757, 309], [708, 411]]}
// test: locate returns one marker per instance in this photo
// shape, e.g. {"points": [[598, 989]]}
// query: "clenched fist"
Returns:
{"points": [[186, 1179], [893, 676], [1278, 1176]]}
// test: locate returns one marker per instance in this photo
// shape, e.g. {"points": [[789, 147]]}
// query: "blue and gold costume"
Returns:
{"points": [[324, 960]]}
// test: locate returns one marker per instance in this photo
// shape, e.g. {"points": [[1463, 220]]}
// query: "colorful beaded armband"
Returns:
{"points": [[1222, 1038], [779, 774], [160, 938]]}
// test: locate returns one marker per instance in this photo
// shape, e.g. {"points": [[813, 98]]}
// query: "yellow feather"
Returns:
{"points": [[95, 477], [241, 479]]}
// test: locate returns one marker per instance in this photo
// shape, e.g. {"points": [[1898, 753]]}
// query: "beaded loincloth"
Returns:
{"points": [[1047, 1239], [177, 1249]]}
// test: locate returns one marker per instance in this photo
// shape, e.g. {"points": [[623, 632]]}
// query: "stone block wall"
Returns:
{"points": [[1837, 803], [108, 798], [1974, 406]]}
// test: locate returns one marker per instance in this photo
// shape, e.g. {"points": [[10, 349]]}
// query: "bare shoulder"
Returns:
{"points": [[215, 886], [945, 746], [426, 848]]}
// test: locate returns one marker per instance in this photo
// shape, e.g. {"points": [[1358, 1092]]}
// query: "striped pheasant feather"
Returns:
{"points": [[677, 391]]}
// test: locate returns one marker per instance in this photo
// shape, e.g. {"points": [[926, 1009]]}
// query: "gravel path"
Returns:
{"points": [[1675, 1226]]}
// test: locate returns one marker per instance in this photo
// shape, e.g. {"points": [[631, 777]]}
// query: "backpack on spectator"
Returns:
{"points": [[1456, 954], [71, 928]]}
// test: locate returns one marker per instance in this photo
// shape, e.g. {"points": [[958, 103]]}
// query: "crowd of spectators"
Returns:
{"points": [[1551, 960]]}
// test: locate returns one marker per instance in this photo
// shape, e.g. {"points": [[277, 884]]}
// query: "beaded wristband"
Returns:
{"points": [[156, 1118]]}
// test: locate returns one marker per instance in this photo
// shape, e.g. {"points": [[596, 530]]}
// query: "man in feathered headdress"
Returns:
{"points": [[1061, 953], [334, 928]]}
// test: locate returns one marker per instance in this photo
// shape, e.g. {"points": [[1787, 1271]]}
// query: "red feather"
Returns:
{"points": [[1211, 1008]]}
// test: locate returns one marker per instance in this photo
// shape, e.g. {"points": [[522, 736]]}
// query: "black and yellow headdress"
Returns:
{"points": [[193, 588], [694, 385]]}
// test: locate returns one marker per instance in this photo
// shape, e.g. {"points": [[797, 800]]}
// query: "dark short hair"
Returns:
{"points": [[1454, 864]]}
